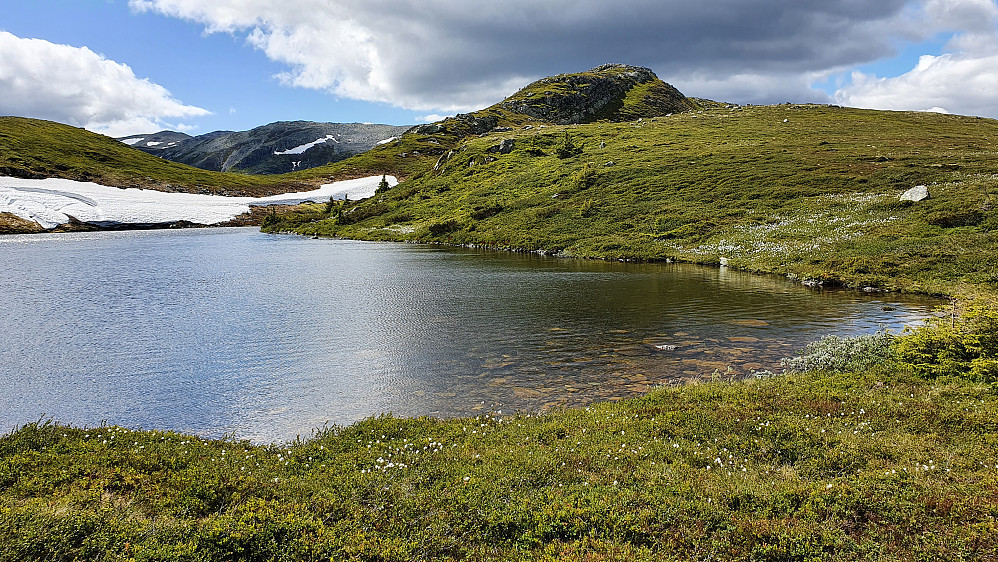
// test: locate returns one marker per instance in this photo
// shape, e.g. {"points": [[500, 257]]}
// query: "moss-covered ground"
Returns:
{"points": [[871, 466]]}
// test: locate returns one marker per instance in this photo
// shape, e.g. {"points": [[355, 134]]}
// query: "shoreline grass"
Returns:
{"points": [[813, 466]]}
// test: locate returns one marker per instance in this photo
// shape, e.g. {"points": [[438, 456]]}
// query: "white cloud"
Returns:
{"points": [[431, 118], [753, 88], [963, 15], [962, 81], [77, 86], [446, 56]]}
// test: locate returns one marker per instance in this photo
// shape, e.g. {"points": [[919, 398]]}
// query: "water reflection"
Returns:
{"points": [[228, 331]]}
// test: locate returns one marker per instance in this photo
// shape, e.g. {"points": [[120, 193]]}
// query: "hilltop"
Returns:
{"points": [[615, 92]]}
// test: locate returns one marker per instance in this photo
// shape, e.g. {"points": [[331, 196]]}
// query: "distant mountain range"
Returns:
{"points": [[276, 148]]}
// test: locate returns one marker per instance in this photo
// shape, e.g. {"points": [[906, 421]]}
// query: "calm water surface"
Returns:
{"points": [[233, 332]]}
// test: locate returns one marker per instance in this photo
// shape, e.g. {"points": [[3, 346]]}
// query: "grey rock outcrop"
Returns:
{"points": [[916, 194], [504, 147], [156, 142]]}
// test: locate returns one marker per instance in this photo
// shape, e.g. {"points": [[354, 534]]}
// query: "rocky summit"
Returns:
{"points": [[611, 92], [616, 92]]}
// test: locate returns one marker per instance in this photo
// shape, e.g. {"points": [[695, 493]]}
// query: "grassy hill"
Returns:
{"points": [[31, 148], [804, 190]]}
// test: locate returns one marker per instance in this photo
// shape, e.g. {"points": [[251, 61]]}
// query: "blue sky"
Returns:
{"points": [[129, 66], [218, 72]]}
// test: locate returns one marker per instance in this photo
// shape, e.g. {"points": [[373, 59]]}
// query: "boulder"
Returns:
{"points": [[917, 193], [504, 147]]}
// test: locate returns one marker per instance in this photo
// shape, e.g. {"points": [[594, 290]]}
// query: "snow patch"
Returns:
{"points": [[360, 188], [153, 143], [50, 202], [133, 141], [302, 148], [386, 141]]}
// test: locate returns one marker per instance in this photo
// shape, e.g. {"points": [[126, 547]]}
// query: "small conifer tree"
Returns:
{"points": [[568, 148], [383, 185]]}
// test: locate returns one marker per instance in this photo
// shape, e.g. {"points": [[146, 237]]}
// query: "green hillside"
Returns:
{"points": [[31, 148], [805, 190]]}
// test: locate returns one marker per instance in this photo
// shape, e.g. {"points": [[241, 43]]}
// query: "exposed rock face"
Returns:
{"points": [[157, 141], [462, 123], [597, 94], [916, 194], [271, 149]]}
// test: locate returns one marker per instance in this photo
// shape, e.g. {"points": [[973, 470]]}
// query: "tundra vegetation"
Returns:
{"points": [[882, 447]]}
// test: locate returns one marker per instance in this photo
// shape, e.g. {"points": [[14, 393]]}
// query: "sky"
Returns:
{"points": [[124, 67]]}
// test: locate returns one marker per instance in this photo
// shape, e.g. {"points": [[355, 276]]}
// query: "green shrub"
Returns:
{"points": [[270, 220], [444, 227], [568, 148], [836, 354], [963, 344], [482, 212]]}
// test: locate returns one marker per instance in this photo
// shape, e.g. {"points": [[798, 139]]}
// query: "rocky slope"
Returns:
{"points": [[611, 92], [276, 148], [615, 92]]}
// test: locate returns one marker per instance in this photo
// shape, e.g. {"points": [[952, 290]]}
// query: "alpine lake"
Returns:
{"points": [[228, 332]]}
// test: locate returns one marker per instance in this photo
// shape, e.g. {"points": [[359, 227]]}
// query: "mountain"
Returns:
{"points": [[615, 92], [276, 148]]}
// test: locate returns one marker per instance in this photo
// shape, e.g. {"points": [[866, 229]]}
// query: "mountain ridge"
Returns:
{"points": [[275, 148]]}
